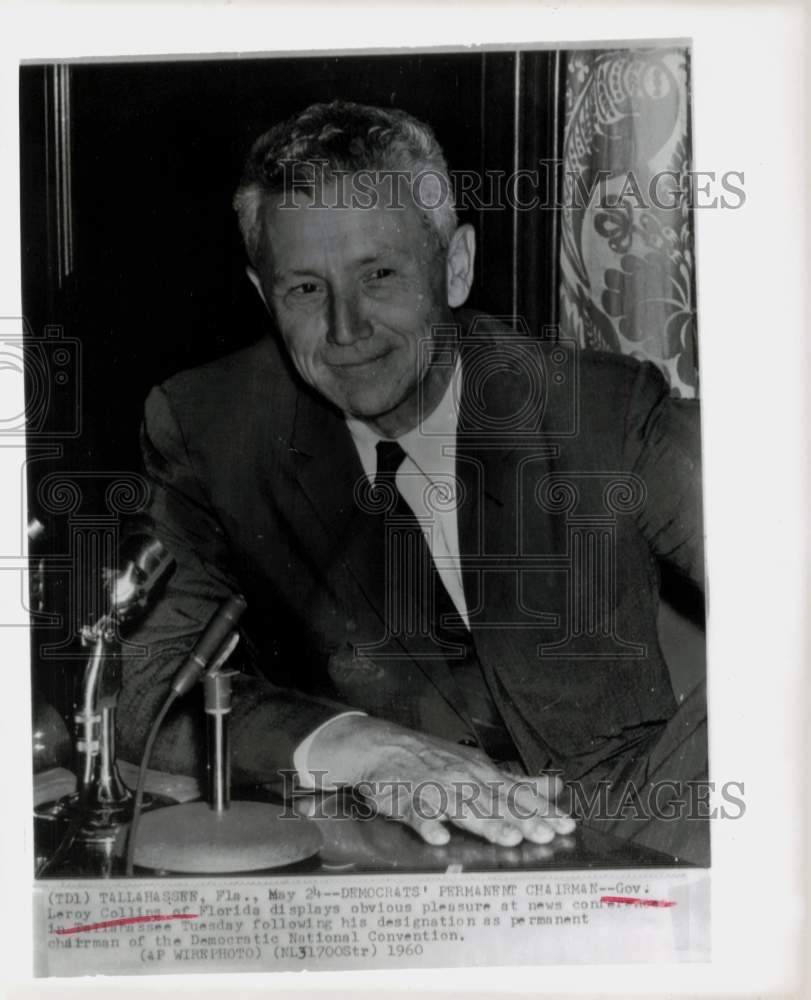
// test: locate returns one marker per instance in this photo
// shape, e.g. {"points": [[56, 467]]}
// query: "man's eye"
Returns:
{"points": [[305, 288], [381, 272]]}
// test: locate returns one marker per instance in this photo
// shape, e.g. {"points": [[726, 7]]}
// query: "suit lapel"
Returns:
{"points": [[325, 462], [492, 448], [330, 474], [482, 466], [490, 453]]}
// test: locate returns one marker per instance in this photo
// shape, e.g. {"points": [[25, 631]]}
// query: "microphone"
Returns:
{"points": [[35, 529], [215, 635], [143, 562], [36, 533]]}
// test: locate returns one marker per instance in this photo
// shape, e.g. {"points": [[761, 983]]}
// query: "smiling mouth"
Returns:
{"points": [[362, 363]]}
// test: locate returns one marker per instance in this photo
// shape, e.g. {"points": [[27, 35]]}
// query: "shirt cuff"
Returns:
{"points": [[301, 757]]}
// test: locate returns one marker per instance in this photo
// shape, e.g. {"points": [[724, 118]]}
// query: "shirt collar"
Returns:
{"points": [[426, 444]]}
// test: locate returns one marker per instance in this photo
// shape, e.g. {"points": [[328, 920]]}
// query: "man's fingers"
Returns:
{"points": [[562, 824], [431, 830], [420, 813], [491, 812], [497, 831], [537, 813], [530, 799], [503, 809], [536, 829], [467, 805]]}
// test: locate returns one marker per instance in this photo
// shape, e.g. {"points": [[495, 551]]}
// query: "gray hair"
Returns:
{"points": [[335, 139]]}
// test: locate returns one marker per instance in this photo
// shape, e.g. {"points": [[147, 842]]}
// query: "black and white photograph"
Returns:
{"points": [[366, 589]]}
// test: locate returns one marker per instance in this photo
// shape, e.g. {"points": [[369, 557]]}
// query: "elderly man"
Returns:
{"points": [[447, 533]]}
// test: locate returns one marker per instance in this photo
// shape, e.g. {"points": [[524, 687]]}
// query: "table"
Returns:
{"points": [[353, 845]]}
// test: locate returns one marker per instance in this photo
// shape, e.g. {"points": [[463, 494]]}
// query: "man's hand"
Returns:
{"points": [[427, 782]]}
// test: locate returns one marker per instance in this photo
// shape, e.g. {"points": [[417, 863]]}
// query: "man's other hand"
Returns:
{"points": [[428, 783]]}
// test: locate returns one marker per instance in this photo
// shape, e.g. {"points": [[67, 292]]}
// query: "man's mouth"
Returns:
{"points": [[359, 363]]}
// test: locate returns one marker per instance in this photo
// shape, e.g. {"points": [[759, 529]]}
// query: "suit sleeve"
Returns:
{"points": [[268, 722], [663, 449]]}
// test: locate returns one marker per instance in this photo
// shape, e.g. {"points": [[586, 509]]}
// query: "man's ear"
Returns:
{"points": [[461, 255], [253, 277]]}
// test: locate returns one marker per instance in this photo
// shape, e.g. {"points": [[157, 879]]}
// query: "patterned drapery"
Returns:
{"points": [[627, 262]]}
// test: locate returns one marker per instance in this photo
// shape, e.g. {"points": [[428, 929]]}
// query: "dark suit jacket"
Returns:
{"points": [[578, 472]]}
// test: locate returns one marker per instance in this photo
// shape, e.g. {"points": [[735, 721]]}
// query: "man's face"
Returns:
{"points": [[354, 292]]}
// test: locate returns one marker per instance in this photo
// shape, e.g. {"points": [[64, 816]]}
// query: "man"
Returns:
{"points": [[447, 534]]}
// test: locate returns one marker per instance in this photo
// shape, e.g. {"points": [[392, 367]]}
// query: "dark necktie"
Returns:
{"points": [[417, 599]]}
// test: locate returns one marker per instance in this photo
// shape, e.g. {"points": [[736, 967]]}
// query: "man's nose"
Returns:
{"points": [[347, 322]]}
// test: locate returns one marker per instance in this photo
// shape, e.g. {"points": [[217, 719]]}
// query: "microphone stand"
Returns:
{"points": [[102, 804], [105, 798], [217, 701], [219, 835]]}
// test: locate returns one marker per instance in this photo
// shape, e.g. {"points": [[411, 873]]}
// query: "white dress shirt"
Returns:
{"points": [[427, 482]]}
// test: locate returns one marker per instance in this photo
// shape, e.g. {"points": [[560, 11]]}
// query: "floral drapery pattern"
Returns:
{"points": [[627, 262]]}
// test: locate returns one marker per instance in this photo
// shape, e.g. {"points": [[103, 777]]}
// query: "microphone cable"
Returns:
{"points": [[139, 788]]}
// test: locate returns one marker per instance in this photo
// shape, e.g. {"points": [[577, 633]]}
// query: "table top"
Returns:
{"points": [[365, 845]]}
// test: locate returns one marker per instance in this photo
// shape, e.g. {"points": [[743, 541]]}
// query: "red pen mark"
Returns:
{"points": [[633, 901], [125, 920]]}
